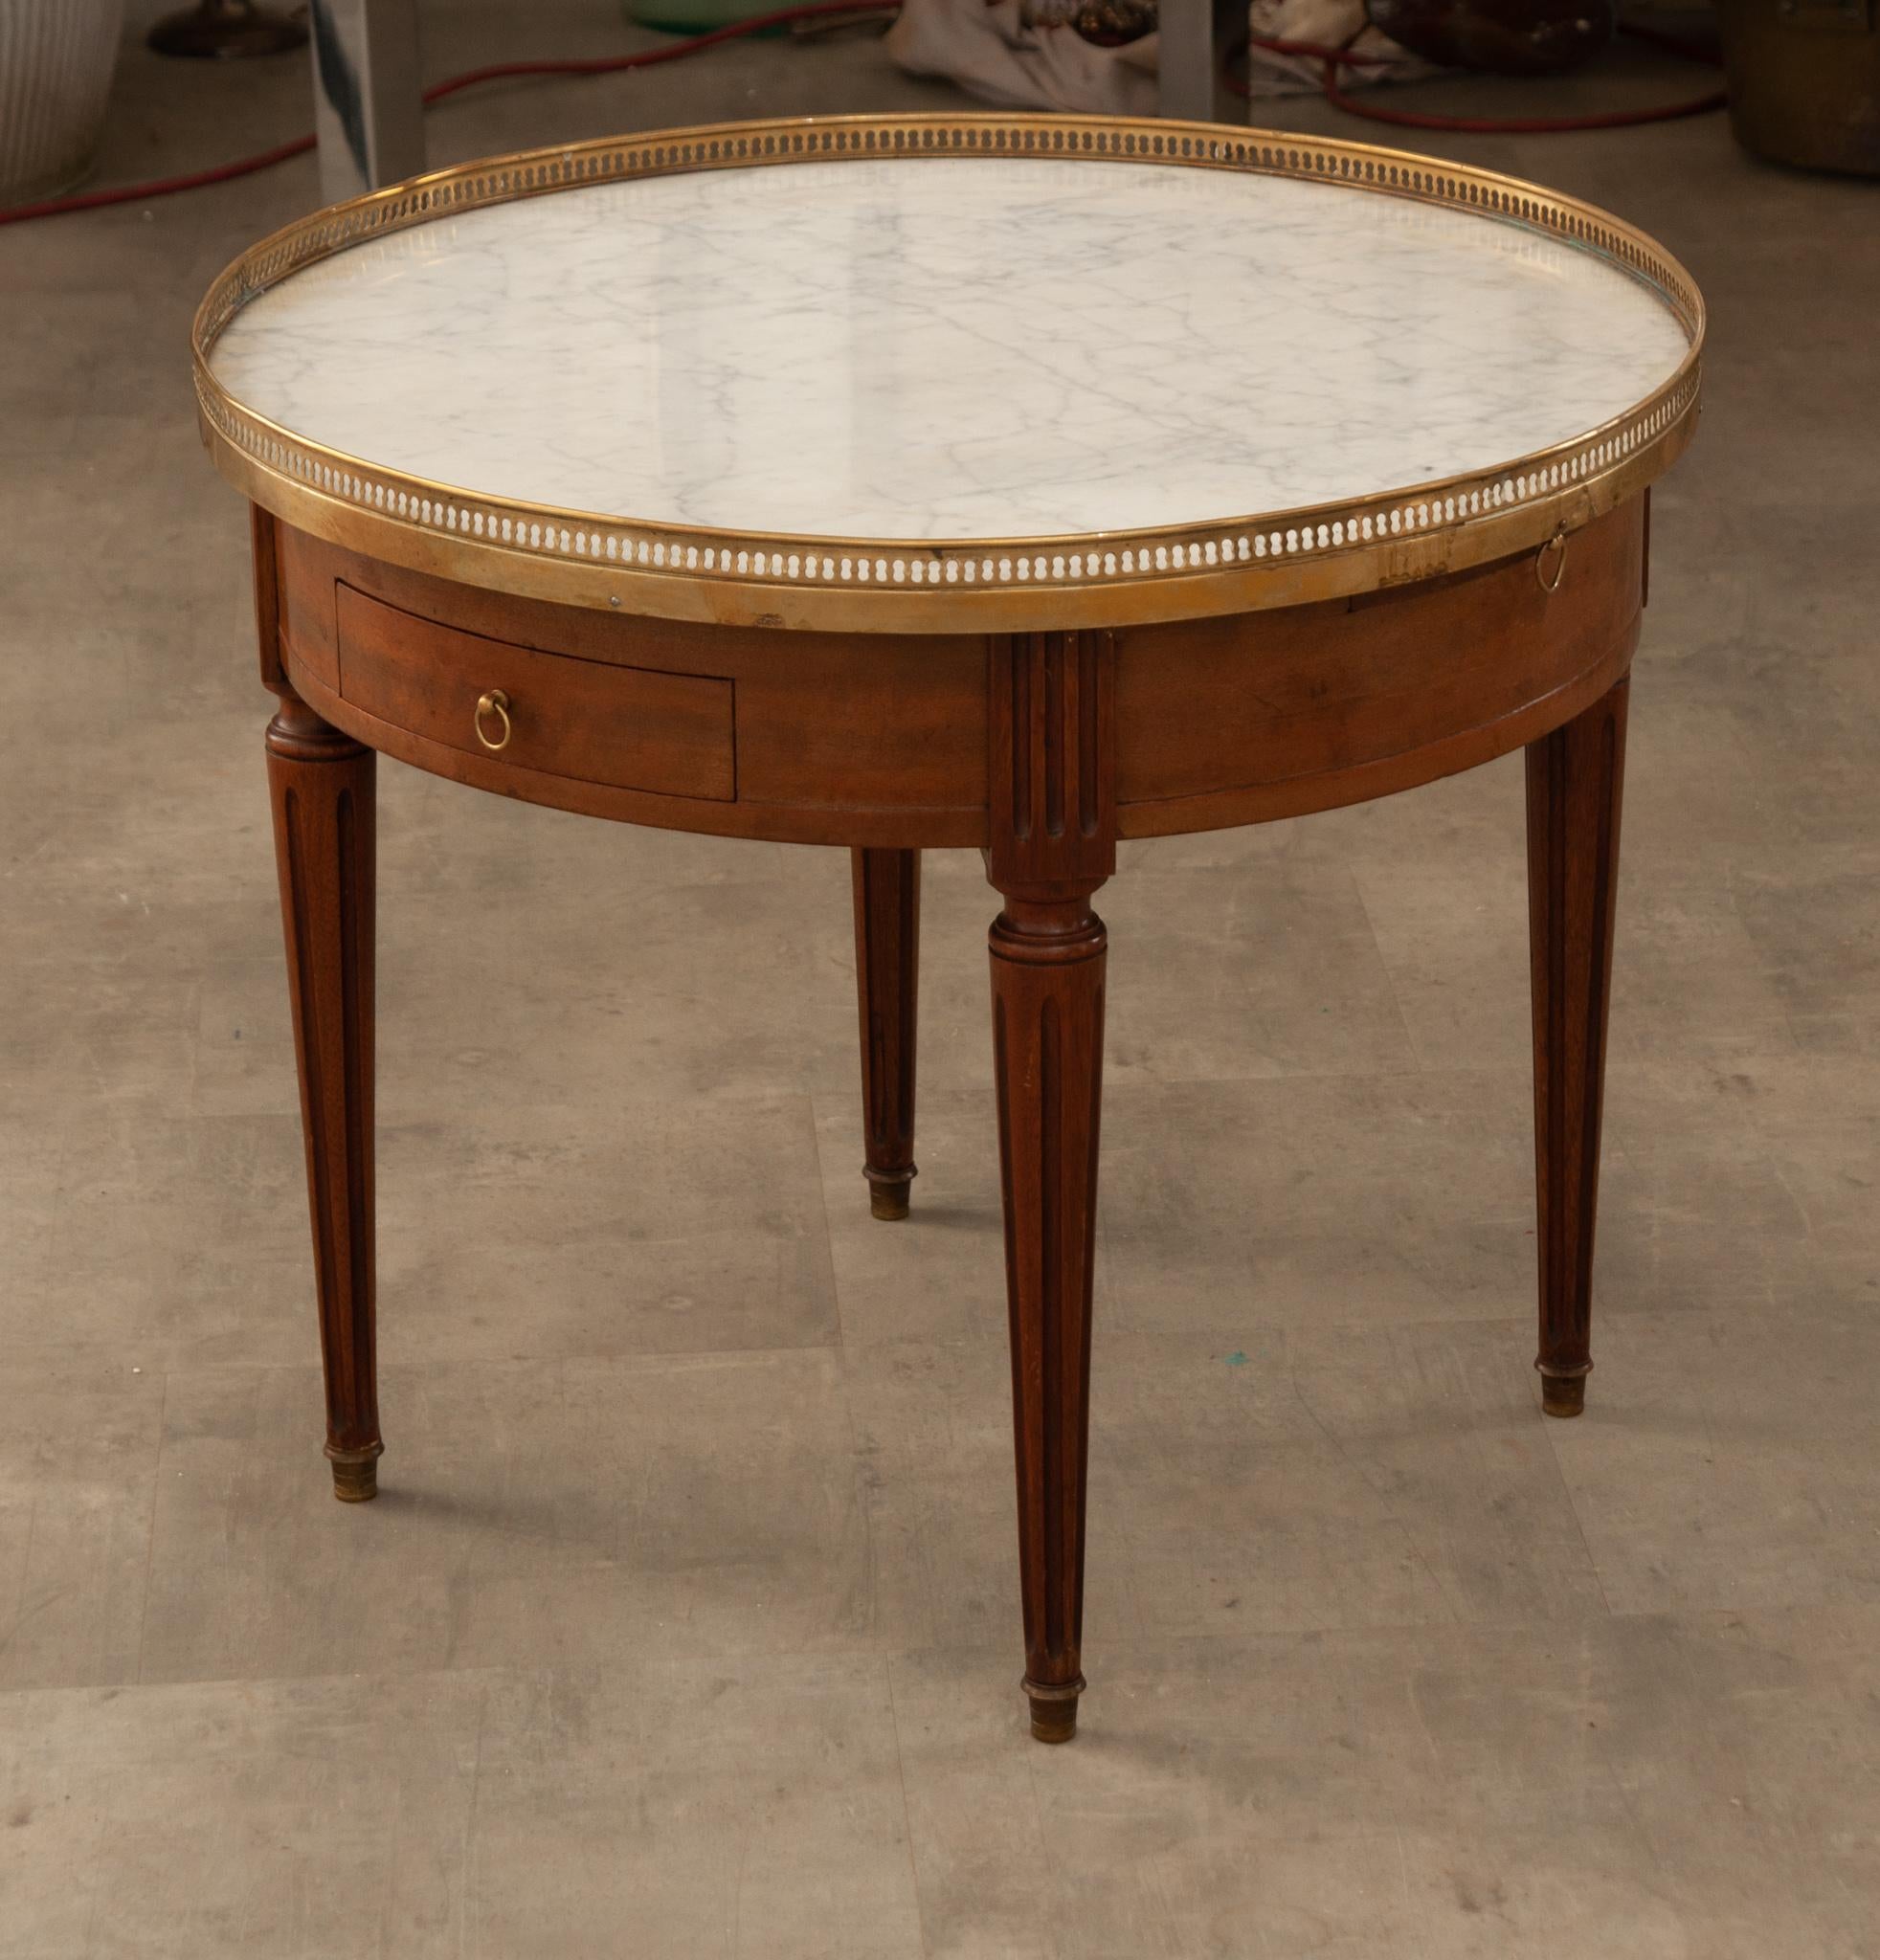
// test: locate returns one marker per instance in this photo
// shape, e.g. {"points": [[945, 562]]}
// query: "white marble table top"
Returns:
{"points": [[967, 347]]}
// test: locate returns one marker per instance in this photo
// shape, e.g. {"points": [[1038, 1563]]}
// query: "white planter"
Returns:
{"points": [[56, 63]]}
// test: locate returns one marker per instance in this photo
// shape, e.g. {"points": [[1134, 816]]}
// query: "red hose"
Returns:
{"points": [[160, 187], [651, 57], [1335, 58], [608, 64], [1518, 126]]}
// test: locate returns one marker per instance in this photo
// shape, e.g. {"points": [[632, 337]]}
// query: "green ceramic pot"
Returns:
{"points": [[696, 16]]}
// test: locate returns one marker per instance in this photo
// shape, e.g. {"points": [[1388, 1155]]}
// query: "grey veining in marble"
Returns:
{"points": [[963, 348]]}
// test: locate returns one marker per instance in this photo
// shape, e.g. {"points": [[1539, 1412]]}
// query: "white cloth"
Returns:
{"points": [[992, 54], [986, 47], [1327, 24]]}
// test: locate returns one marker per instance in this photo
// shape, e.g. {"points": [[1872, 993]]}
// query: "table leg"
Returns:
{"points": [[1047, 969], [367, 111], [320, 783], [1575, 778], [1052, 843], [1194, 36], [887, 951]]}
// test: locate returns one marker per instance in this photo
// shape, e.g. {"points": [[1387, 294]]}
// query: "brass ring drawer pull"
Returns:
{"points": [[495, 702], [1558, 545]]}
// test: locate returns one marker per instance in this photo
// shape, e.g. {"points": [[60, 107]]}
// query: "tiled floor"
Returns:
{"points": [[686, 1623]]}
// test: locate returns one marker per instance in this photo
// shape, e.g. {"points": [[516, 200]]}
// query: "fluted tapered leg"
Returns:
{"points": [[322, 786], [1052, 843], [1575, 778], [888, 949], [1047, 969]]}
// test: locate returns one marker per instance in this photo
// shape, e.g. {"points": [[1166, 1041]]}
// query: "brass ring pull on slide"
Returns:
{"points": [[495, 702], [1558, 544]]}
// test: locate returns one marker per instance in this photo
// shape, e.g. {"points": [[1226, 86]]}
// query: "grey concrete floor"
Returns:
{"points": [[686, 1624]]}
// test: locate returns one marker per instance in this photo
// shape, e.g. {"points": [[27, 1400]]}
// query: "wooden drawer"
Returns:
{"points": [[634, 727]]}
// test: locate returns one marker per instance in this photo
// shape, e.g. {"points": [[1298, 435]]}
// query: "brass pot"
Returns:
{"points": [[1804, 81]]}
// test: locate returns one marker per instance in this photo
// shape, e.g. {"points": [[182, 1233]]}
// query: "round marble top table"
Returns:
{"points": [[1010, 481]]}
